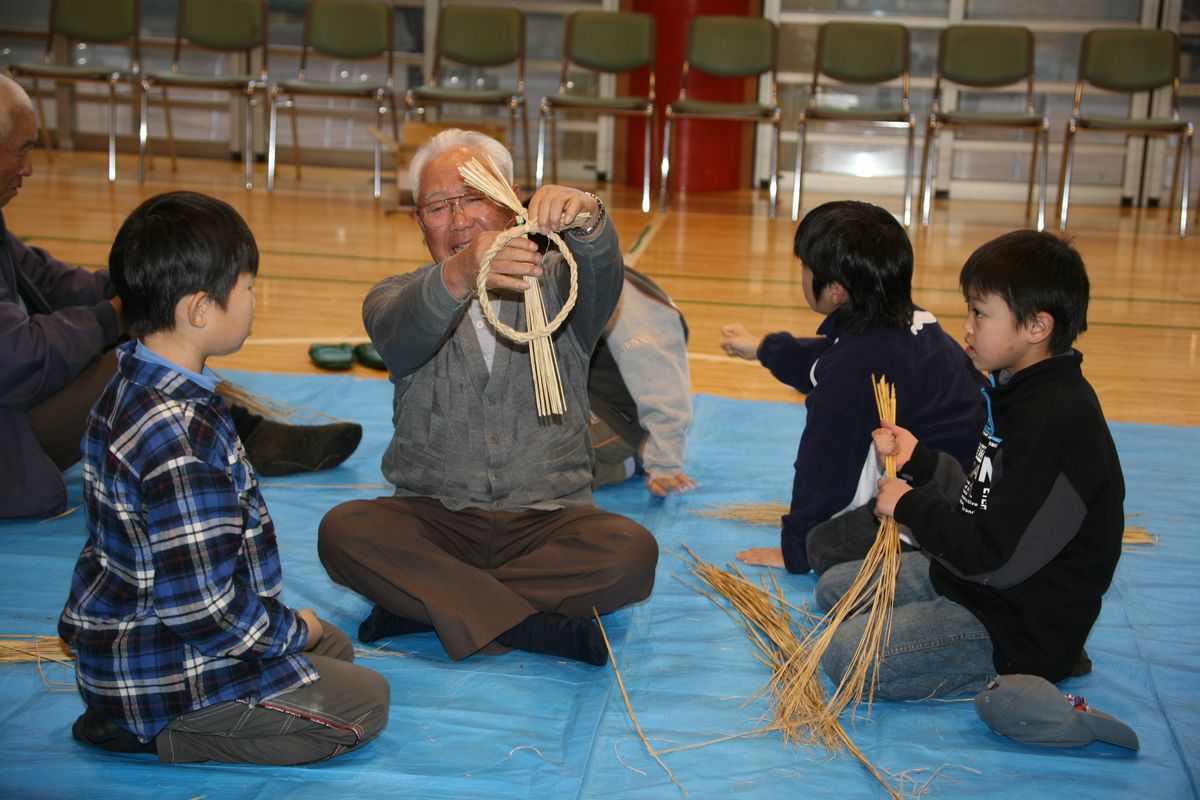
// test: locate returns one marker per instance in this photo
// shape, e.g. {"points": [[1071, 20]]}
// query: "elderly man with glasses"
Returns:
{"points": [[491, 537]]}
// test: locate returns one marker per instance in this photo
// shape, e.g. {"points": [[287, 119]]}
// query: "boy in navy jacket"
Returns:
{"points": [[856, 264]]}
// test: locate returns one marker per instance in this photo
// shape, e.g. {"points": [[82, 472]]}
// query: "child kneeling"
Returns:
{"points": [[1022, 548], [183, 645]]}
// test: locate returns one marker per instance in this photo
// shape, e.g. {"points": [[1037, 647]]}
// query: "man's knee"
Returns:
{"points": [[377, 698], [338, 528]]}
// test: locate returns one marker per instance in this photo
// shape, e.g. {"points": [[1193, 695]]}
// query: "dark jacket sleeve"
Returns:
{"points": [[790, 359], [1033, 511], [42, 353]]}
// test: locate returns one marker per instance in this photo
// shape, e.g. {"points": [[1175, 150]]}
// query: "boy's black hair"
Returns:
{"points": [[173, 245], [1033, 272], [862, 247]]}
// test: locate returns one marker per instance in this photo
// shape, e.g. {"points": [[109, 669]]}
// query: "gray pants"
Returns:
{"points": [[846, 537], [345, 709], [473, 574]]}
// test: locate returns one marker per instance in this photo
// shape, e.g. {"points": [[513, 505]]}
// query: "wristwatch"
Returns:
{"points": [[594, 225]]}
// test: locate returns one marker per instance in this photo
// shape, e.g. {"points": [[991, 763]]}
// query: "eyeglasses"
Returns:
{"points": [[439, 213]]}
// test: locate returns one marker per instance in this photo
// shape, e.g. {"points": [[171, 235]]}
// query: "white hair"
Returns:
{"points": [[14, 103], [451, 139]]}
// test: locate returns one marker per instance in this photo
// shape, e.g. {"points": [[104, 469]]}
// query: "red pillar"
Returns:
{"points": [[708, 154]]}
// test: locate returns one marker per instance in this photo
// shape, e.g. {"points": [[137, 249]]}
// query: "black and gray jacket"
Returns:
{"points": [[1029, 540]]}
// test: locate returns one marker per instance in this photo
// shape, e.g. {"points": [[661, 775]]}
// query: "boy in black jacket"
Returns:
{"points": [[1022, 548]]}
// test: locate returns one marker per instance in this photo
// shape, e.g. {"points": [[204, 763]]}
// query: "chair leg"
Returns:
{"points": [[41, 113], [554, 149], [798, 183], [170, 130], [1186, 186], [1044, 169], [647, 157], [925, 187], [664, 170], [1064, 177], [1033, 169], [774, 180], [380, 110], [272, 135], [1175, 175], [520, 109], [112, 128], [540, 168], [908, 170], [295, 135], [248, 137], [143, 130]]}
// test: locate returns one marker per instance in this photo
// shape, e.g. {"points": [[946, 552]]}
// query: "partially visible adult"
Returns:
{"points": [[58, 324], [491, 537], [640, 391]]}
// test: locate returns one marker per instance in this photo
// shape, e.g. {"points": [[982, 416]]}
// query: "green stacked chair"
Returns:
{"points": [[476, 36], [86, 22], [610, 43], [986, 57], [864, 53], [728, 47], [1130, 61], [356, 30], [233, 27]]}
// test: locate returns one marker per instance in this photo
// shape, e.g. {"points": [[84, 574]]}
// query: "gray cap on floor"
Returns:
{"points": [[1031, 709]]}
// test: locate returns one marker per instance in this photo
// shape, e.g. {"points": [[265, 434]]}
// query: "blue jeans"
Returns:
{"points": [[937, 647]]}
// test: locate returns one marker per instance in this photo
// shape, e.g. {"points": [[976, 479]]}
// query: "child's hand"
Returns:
{"points": [[737, 341], [890, 492], [892, 440], [762, 557], [315, 629], [662, 485]]}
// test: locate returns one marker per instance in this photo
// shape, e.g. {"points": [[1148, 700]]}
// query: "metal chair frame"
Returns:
{"points": [[1183, 129], [632, 107], [432, 94], [952, 120], [383, 96], [245, 85], [65, 73], [814, 112], [767, 112]]}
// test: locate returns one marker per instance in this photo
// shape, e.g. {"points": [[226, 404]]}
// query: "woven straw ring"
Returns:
{"points": [[550, 327]]}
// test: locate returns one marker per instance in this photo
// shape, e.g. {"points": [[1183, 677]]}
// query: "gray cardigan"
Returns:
{"points": [[474, 439]]}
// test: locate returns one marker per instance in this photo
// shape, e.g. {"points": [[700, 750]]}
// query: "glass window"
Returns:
{"points": [[1127, 10], [937, 8]]}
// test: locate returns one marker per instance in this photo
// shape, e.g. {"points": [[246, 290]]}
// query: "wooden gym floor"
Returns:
{"points": [[324, 242]]}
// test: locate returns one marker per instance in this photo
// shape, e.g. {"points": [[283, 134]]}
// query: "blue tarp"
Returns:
{"points": [[528, 726]]}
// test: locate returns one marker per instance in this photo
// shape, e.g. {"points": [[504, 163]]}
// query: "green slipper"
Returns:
{"points": [[332, 356], [368, 356]]}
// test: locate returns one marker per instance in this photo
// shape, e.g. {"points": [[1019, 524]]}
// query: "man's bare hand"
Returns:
{"points": [[737, 341], [553, 207], [663, 485], [762, 557], [508, 269]]}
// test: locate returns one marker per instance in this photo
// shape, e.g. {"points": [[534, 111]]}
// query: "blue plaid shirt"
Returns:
{"points": [[174, 602]]}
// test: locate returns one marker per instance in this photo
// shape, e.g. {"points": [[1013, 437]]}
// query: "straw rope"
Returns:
{"points": [[547, 381]]}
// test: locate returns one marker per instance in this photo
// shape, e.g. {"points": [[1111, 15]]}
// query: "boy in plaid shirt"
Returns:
{"points": [[184, 647]]}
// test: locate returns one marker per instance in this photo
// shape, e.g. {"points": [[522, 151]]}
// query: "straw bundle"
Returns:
{"points": [[798, 707], [767, 514], [21, 649], [873, 588], [547, 382]]}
